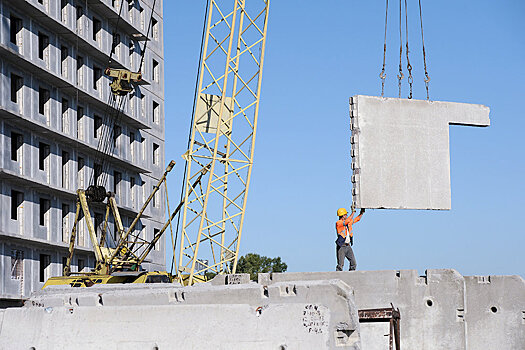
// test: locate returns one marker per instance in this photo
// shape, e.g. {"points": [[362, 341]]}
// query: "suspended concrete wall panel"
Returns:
{"points": [[400, 150]]}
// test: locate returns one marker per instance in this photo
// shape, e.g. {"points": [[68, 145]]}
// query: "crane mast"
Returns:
{"points": [[222, 137]]}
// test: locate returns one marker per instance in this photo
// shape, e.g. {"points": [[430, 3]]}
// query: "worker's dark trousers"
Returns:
{"points": [[341, 253]]}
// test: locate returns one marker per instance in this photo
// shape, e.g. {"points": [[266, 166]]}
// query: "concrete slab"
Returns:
{"points": [[288, 315], [440, 310], [400, 150]]}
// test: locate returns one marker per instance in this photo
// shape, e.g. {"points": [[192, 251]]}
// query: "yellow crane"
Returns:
{"points": [[222, 137]]}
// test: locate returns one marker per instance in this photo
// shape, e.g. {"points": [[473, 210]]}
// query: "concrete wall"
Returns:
{"points": [[71, 129], [400, 150], [297, 315], [441, 310]]}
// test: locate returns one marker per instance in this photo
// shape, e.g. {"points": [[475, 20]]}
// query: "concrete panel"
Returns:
{"points": [[427, 304], [495, 316], [441, 310], [303, 315], [400, 150]]}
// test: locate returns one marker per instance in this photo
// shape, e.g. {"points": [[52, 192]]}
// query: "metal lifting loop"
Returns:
{"points": [[409, 66], [400, 75], [382, 75]]}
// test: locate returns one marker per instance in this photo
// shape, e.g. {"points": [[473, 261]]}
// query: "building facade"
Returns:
{"points": [[53, 112]]}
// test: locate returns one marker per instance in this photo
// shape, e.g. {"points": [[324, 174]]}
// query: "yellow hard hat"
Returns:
{"points": [[341, 212]]}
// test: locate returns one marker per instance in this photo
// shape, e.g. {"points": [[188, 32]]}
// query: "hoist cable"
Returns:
{"points": [[409, 66], [147, 36], [114, 43], [427, 78], [400, 75], [195, 96], [382, 75]]}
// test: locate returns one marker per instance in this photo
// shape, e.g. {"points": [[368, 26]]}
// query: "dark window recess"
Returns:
{"points": [[155, 71], [45, 261], [81, 264], [65, 211], [43, 43], [16, 85], [43, 97], [44, 207], [116, 41], [65, 105], [41, 2], [97, 126], [80, 12], [155, 234], [80, 62], [16, 142], [43, 153], [117, 177], [97, 74], [131, 183], [80, 115], [64, 261], [98, 171], [80, 163], [117, 130], [155, 112], [97, 26], [16, 201], [15, 28], [131, 137], [99, 220], [155, 153], [154, 28], [65, 160], [64, 54]]}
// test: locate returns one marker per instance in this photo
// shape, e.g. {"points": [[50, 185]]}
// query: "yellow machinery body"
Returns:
{"points": [[122, 80], [90, 279]]}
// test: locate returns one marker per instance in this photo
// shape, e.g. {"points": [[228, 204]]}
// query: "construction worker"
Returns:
{"points": [[344, 241]]}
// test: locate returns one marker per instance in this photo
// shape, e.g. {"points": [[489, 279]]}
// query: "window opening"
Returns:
{"points": [[16, 146], [43, 154], [44, 208]]}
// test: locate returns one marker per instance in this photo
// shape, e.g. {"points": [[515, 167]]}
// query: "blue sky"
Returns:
{"points": [[318, 54]]}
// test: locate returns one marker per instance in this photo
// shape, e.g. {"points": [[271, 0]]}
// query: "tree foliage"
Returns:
{"points": [[254, 263]]}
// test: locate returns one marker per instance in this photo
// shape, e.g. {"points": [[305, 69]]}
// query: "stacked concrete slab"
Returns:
{"points": [[441, 310], [287, 315]]}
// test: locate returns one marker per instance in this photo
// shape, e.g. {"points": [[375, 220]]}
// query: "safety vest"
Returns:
{"points": [[345, 230]]}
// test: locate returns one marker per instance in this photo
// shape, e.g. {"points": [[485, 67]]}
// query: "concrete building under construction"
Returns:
{"points": [[54, 103]]}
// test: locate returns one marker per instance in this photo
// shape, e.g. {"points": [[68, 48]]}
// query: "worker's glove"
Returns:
{"points": [[351, 240]]}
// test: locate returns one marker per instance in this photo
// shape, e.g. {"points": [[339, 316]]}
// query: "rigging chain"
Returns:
{"points": [[409, 66], [427, 78], [400, 75], [382, 75]]}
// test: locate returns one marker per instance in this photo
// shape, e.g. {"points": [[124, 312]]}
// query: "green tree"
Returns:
{"points": [[254, 263]]}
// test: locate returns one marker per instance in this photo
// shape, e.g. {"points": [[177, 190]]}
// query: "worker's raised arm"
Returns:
{"points": [[359, 216], [350, 218]]}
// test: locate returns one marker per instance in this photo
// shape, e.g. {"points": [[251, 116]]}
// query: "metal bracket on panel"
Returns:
{"points": [[354, 141]]}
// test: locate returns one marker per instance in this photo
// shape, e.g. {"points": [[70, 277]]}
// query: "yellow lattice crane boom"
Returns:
{"points": [[223, 131]]}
